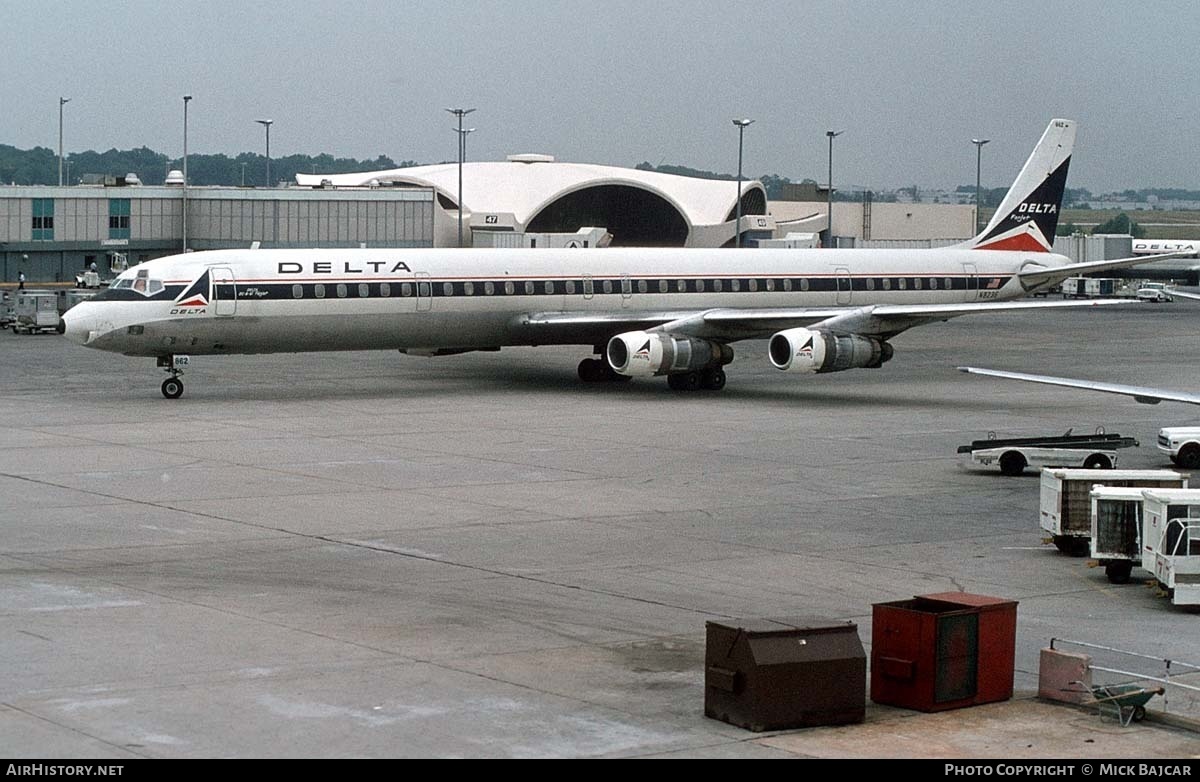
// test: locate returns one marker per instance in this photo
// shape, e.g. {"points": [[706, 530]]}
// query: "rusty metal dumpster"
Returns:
{"points": [[773, 674], [943, 651]]}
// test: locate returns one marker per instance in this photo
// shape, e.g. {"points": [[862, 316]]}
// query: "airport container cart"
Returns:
{"points": [[1116, 529], [1013, 454], [71, 297], [1171, 548], [1066, 507], [35, 312], [7, 315]]}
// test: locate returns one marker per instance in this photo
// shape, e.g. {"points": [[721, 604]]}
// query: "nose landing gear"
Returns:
{"points": [[172, 387]]}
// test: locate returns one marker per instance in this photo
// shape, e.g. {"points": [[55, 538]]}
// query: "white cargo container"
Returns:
{"points": [[584, 238], [1116, 528], [71, 297], [1171, 542], [7, 313], [792, 241], [35, 312], [1066, 506], [1092, 287]]}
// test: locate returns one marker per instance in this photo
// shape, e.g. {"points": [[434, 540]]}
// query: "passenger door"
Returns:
{"points": [[424, 291], [224, 291], [972, 273], [845, 286]]}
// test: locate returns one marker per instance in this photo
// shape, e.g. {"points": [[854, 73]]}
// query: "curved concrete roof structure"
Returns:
{"points": [[543, 195]]}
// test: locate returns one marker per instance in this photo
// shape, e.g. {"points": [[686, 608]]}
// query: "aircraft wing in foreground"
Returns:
{"points": [[1143, 394]]}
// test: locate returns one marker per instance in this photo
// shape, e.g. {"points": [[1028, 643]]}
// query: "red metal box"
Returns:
{"points": [[943, 651]]}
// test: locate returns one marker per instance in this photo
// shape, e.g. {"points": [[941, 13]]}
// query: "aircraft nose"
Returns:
{"points": [[75, 324]]}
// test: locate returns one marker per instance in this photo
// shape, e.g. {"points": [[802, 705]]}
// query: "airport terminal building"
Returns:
{"points": [[49, 233], [537, 194]]}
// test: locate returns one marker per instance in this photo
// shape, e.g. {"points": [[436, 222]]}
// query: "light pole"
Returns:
{"points": [[462, 154], [829, 208], [266, 123], [737, 227], [243, 174], [978, 142], [186, 99], [61, 101]]}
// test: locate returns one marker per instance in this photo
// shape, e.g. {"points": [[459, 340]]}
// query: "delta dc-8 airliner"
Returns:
{"points": [[645, 312]]}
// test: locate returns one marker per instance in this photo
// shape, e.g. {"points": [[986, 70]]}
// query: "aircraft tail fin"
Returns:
{"points": [[1028, 215]]}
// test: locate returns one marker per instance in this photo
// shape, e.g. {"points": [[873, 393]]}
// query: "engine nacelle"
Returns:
{"points": [[812, 350], [641, 353]]}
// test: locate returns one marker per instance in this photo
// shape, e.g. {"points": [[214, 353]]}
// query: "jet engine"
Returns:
{"points": [[640, 354], [812, 350]]}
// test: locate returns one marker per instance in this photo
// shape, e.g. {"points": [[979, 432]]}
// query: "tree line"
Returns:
{"points": [[39, 166]]}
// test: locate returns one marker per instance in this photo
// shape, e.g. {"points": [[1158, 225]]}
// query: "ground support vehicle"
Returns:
{"points": [[1182, 444], [1013, 455], [1171, 542], [1066, 504], [35, 312], [1116, 527]]}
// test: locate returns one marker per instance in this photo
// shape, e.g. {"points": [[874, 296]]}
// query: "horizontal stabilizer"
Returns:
{"points": [[1041, 277]]}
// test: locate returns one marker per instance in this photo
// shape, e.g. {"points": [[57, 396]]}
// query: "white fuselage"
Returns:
{"points": [[266, 301]]}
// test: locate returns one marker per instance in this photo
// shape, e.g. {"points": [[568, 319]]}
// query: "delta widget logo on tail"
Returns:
{"points": [[1030, 226], [196, 294]]}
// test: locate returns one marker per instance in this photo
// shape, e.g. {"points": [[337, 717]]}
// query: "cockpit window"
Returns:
{"points": [[142, 283]]}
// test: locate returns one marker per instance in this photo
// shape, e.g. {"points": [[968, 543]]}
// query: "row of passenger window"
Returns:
{"points": [[589, 287]]}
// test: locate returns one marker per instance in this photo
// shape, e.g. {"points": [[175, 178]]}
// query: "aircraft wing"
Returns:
{"points": [[1147, 396], [1183, 294], [1042, 277], [729, 325]]}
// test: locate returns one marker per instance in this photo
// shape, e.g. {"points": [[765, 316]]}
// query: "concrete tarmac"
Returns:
{"points": [[376, 555]]}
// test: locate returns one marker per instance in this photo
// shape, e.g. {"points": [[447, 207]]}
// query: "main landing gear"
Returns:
{"points": [[172, 387], [712, 379], [596, 370]]}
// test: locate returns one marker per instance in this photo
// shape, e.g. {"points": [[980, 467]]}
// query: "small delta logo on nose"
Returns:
{"points": [[196, 295]]}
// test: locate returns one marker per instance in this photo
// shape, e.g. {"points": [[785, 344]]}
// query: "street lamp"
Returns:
{"points": [[266, 123], [186, 99], [61, 101], [737, 227], [462, 154], [243, 174], [978, 142], [829, 208]]}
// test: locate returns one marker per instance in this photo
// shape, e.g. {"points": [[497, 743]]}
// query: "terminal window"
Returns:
{"points": [[118, 218], [43, 219]]}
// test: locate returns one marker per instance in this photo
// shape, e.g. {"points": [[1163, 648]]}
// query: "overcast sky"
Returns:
{"points": [[617, 83]]}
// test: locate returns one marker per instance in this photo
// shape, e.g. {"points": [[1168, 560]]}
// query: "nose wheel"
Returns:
{"points": [[172, 387]]}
